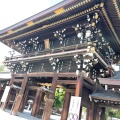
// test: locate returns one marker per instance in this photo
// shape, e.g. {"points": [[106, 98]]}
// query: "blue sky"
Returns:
{"points": [[13, 11]]}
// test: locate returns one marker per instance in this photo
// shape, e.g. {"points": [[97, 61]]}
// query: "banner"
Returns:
{"points": [[74, 108], [5, 94]]}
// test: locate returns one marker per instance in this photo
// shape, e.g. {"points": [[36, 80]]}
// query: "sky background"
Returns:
{"points": [[13, 11]]}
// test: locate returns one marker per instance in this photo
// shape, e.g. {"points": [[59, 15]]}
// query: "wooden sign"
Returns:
{"points": [[47, 44], [74, 109], [5, 94]]}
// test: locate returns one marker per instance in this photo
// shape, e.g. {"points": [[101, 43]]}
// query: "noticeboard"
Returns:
{"points": [[5, 94], [74, 109]]}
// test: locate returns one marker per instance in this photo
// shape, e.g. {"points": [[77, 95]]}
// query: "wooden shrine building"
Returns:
{"points": [[72, 44]]}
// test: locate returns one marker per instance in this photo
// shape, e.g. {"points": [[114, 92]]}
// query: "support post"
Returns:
{"points": [[66, 106], [22, 105], [89, 114], [78, 90], [93, 112], [19, 97], [50, 99], [9, 98], [36, 102], [97, 112], [41, 98], [79, 86], [102, 117]]}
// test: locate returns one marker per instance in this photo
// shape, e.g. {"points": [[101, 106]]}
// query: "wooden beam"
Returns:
{"points": [[66, 106], [66, 82], [70, 90], [71, 74], [19, 75], [18, 80], [33, 87], [40, 74], [47, 56]]}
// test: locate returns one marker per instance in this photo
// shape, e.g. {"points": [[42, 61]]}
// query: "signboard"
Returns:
{"points": [[74, 109], [5, 94]]}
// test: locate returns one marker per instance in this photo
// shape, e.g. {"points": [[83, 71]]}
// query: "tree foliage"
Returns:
{"points": [[110, 112], [59, 98], [2, 68]]}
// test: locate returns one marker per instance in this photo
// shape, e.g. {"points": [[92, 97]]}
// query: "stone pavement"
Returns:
{"points": [[5, 115]]}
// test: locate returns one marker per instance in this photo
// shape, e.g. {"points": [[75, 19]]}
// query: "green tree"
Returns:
{"points": [[59, 98], [110, 112], [2, 68]]}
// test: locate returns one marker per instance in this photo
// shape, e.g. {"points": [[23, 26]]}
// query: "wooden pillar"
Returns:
{"points": [[78, 90], [50, 99], [97, 112], [66, 106], [79, 86], [102, 117], [36, 102], [9, 98], [89, 114], [41, 98], [19, 97], [22, 105], [3, 106]]}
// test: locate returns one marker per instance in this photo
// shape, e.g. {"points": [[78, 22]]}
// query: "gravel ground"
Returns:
{"points": [[5, 115]]}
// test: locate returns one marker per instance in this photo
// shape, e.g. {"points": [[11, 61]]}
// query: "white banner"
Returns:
{"points": [[74, 108], [5, 94]]}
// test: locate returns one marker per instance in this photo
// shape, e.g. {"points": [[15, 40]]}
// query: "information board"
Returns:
{"points": [[5, 94], [74, 109]]}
